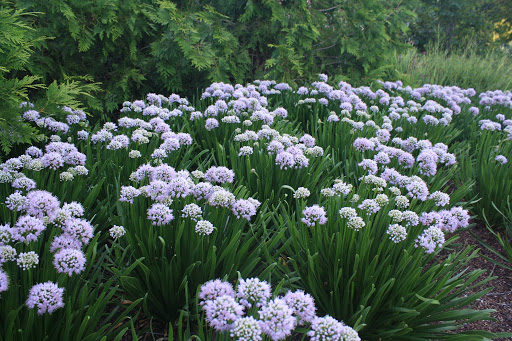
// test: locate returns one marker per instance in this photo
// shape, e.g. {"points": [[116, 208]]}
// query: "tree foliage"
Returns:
{"points": [[18, 43], [133, 47], [457, 21]]}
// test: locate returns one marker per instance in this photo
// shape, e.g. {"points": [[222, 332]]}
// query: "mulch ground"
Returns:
{"points": [[500, 298]]}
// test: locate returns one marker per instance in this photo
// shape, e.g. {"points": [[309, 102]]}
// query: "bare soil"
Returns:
{"points": [[500, 298]]}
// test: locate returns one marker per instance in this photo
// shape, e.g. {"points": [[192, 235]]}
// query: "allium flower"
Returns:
{"points": [[159, 154], [356, 223], [285, 160], [66, 176], [314, 151], [308, 140], [411, 218], [474, 110], [314, 214], [65, 241], [397, 233], [191, 211], [42, 203], [81, 170], [74, 209], [157, 190], [7, 253], [16, 201], [134, 154], [27, 260], [27, 229], [253, 291], [69, 261], [13, 164], [440, 198], [396, 215], [327, 192], [245, 151], [202, 190], [5, 234], [369, 165], [197, 174], [204, 228], [342, 188], [501, 159], [362, 144], [277, 319], [34, 152], [401, 201], [221, 198], [47, 297], [82, 135], [461, 215], [75, 158], [382, 158], [22, 183], [328, 329], [222, 312], [302, 90], [80, 229], [215, 288], [117, 231], [211, 124], [333, 118], [128, 193], [382, 199], [430, 239], [4, 282], [160, 214], [52, 160], [347, 212], [246, 328], [302, 304], [355, 198], [418, 190], [301, 192], [243, 208], [219, 175], [370, 206]]}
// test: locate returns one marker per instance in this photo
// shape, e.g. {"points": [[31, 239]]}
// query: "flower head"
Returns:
{"points": [[204, 228], [4, 281], [246, 328], [47, 297], [160, 214], [69, 261], [314, 214], [215, 288], [222, 312], [117, 231], [302, 304], [253, 291], [277, 319], [27, 260]]}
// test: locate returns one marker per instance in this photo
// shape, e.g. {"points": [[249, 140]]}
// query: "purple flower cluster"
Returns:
{"points": [[314, 214], [275, 318], [46, 297], [219, 175]]}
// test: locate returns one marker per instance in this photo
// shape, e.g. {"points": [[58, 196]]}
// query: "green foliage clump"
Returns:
{"points": [[18, 42]]}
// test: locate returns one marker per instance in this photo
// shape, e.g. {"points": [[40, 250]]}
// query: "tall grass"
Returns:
{"points": [[466, 67]]}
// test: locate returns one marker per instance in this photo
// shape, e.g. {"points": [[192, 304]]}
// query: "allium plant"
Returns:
{"points": [[49, 273], [191, 230], [272, 318]]}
